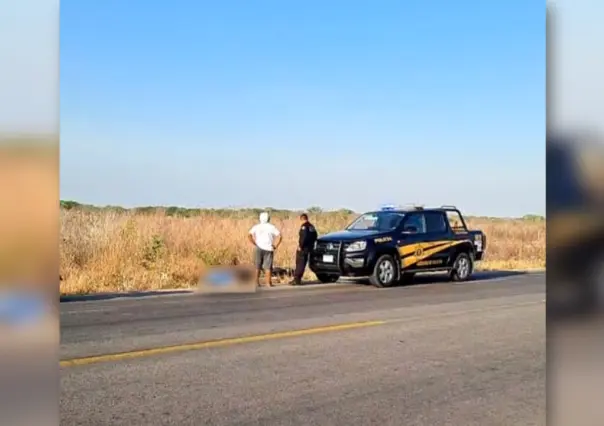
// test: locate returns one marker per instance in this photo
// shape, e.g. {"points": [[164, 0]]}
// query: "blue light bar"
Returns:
{"points": [[388, 207]]}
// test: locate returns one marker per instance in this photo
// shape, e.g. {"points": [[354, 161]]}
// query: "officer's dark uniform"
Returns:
{"points": [[306, 241]]}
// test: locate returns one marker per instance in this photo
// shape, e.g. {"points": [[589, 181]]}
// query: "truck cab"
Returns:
{"points": [[393, 244]]}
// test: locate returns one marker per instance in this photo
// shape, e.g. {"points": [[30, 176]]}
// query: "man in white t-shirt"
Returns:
{"points": [[266, 238]]}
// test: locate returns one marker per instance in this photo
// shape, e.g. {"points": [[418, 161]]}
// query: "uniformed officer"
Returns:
{"points": [[306, 241]]}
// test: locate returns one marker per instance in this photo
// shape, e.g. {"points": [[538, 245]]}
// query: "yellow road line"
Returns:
{"points": [[214, 343]]}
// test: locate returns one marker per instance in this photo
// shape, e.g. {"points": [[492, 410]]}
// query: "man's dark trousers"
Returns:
{"points": [[301, 261]]}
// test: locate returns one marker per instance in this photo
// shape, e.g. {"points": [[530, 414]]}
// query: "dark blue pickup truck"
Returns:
{"points": [[393, 244]]}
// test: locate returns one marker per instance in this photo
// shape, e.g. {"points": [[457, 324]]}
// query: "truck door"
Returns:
{"points": [[437, 241], [410, 240]]}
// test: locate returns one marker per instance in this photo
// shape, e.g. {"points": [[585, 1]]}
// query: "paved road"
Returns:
{"points": [[429, 354]]}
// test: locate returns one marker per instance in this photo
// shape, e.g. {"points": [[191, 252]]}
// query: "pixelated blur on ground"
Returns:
{"points": [[228, 280]]}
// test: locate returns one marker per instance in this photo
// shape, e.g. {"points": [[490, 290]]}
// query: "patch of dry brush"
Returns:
{"points": [[108, 250]]}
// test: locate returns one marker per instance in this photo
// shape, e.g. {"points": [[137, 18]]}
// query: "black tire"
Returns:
{"points": [[385, 272], [327, 278], [462, 268]]}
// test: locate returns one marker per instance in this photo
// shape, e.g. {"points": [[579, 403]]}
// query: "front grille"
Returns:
{"points": [[328, 247]]}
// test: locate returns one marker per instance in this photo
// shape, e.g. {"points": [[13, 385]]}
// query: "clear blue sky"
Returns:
{"points": [[295, 104]]}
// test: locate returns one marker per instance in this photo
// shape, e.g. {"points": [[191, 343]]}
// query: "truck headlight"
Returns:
{"points": [[357, 246]]}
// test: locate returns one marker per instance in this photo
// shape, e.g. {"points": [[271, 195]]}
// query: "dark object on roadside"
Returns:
{"points": [[234, 278], [394, 244], [283, 273], [237, 278]]}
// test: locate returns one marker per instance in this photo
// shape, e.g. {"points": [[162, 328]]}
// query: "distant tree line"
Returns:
{"points": [[229, 212], [192, 212]]}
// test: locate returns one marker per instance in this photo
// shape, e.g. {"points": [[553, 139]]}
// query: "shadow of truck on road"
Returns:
{"points": [[476, 276], [437, 278]]}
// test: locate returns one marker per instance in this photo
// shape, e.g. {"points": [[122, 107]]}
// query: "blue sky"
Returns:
{"points": [[296, 104]]}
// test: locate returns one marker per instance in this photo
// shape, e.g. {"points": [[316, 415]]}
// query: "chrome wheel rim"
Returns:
{"points": [[463, 267], [386, 271]]}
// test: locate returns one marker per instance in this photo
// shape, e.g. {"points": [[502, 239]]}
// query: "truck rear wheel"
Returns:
{"points": [[385, 272], [462, 267]]}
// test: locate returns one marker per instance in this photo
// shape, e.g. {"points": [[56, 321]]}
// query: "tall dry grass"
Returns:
{"points": [[108, 250]]}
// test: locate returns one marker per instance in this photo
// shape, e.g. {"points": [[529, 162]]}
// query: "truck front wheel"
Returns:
{"points": [[385, 272]]}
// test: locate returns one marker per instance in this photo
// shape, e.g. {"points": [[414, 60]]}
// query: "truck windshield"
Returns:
{"points": [[377, 221]]}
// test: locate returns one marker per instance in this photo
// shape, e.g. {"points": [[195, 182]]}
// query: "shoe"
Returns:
{"points": [[295, 282]]}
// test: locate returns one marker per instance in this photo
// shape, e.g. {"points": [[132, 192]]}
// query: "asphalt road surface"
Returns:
{"points": [[434, 353]]}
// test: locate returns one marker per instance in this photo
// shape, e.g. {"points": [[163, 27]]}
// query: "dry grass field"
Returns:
{"points": [[134, 250]]}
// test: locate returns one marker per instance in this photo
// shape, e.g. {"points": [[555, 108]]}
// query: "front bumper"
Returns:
{"points": [[336, 261]]}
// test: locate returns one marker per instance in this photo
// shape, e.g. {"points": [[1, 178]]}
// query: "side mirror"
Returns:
{"points": [[410, 229]]}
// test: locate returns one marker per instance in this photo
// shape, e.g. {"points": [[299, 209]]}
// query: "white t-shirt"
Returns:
{"points": [[264, 235]]}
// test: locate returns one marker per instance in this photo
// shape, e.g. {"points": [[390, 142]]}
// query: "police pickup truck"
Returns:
{"points": [[393, 244]]}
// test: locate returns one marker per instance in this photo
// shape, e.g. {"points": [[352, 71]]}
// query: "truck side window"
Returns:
{"points": [[415, 224], [435, 223], [455, 221]]}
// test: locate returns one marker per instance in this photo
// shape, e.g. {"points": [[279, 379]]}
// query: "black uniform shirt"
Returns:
{"points": [[307, 236]]}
